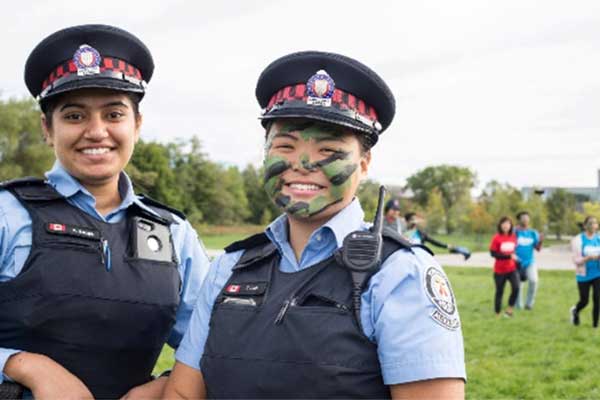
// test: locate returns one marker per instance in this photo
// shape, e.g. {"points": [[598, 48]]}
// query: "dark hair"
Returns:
{"points": [[409, 215], [587, 220], [49, 105], [503, 220], [521, 213]]}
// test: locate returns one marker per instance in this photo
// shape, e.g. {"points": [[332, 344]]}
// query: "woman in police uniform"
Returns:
{"points": [[93, 279], [275, 318]]}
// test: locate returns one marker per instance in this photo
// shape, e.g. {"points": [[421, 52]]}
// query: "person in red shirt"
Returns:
{"points": [[502, 248]]}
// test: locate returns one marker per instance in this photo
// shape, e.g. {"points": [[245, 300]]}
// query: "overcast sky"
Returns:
{"points": [[510, 89]]}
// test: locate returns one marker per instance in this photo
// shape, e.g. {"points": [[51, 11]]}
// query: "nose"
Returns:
{"points": [[96, 129]]}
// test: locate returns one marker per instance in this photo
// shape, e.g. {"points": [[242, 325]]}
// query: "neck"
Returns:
{"points": [[299, 233], [106, 194], [589, 234]]}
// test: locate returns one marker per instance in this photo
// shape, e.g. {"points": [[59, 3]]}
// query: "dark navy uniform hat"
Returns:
{"points": [[392, 204], [326, 87], [88, 56]]}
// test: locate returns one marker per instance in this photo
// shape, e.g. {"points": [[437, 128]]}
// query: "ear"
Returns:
{"points": [[46, 131], [365, 162], [138, 127]]}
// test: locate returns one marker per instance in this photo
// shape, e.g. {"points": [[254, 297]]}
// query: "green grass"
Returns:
{"points": [[218, 242], [535, 355]]}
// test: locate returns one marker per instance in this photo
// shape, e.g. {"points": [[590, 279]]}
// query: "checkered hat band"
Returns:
{"points": [[108, 64], [341, 100]]}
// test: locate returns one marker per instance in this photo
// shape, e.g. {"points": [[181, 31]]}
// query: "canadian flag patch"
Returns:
{"points": [[233, 289], [57, 227]]}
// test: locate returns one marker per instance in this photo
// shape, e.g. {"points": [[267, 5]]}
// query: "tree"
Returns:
{"points": [[589, 208], [561, 212], [368, 194], [262, 210], [453, 183], [22, 149], [434, 210], [501, 200]]}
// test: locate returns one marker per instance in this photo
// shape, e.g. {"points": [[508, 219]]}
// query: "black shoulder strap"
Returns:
{"points": [[31, 189], [256, 247], [162, 209]]}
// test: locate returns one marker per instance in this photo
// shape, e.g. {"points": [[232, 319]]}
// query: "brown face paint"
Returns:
{"points": [[338, 168]]}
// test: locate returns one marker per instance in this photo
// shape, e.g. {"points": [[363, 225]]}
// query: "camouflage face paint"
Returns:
{"points": [[338, 168]]}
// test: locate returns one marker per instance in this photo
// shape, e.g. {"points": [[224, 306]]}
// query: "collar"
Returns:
{"points": [[68, 186], [348, 220]]}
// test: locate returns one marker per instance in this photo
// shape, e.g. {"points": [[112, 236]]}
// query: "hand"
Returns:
{"points": [[45, 377], [151, 390], [450, 247]]}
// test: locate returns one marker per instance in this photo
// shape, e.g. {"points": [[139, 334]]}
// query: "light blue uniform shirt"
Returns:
{"points": [[396, 312], [15, 242], [590, 247], [527, 240]]}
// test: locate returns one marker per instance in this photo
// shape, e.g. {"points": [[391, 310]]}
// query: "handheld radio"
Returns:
{"points": [[361, 254]]}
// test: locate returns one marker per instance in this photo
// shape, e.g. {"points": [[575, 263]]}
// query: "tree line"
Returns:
{"points": [[180, 174]]}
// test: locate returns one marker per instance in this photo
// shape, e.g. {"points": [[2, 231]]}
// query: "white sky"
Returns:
{"points": [[508, 88]]}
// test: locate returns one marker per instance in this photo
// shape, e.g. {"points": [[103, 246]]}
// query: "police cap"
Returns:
{"points": [[88, 56], [327, 87]]}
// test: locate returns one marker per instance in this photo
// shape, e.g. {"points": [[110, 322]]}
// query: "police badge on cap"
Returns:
{"points": [[88, 56], [358, 99], [320, 88]]}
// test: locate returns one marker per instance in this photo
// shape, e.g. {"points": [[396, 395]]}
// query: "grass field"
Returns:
{"points": [[535, 355]]}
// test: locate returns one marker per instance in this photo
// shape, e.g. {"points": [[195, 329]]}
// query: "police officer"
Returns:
{"points": [[94, 279], [276, 317]]}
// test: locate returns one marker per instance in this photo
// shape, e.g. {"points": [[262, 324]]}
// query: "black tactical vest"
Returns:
{"points": [[90, 296], [289, 335]]}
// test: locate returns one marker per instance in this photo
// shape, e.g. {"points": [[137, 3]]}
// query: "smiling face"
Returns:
{"points": [[93, 133], [312, 169]]}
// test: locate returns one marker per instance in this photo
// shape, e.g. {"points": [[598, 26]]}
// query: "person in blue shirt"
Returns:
{"points": [[528, 240], [280, 314], [586, 257], [94, 279]]}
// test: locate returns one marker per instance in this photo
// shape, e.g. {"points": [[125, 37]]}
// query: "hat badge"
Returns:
{"points": [[320, 88], [87, 60]]}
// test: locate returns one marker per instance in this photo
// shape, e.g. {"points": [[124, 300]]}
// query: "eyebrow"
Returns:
{"points": [[333, 138], [284, 134], [79, 105]]}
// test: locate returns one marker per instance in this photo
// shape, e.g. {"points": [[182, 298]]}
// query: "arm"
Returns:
{"points": [[500, 256], [448, 389], [186, 379], [193, 268], [578, 258], [397, 314], [44, 377], [426, 238], [185, 383]]}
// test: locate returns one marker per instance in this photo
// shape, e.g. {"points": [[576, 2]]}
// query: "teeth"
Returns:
{"points": [[101, 150], [303, 186]]}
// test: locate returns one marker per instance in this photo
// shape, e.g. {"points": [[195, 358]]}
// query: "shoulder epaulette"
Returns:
{"points": [[253, 241], [27, 181], [31, 188], [149, 201]]}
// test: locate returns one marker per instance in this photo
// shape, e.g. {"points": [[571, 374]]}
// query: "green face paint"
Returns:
{"points": [[338, 168]]}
